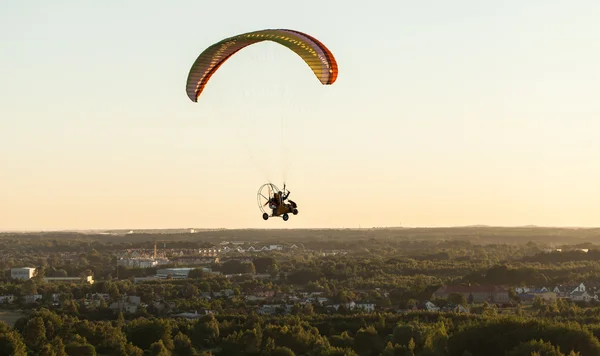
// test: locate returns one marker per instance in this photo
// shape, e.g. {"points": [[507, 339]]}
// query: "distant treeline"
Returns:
{"points": [[478, 234]]}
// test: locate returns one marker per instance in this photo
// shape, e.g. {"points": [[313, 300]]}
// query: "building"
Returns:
{"points": [[194, 260], [566, 291], [23, 273], [143, 279], [7, 299], [127, 304], [475, 294], [581, 296], [368, 307], [87, 279], [137, 262], [521, 290], [32, 298], [547, 296], [431, 307], [175, 273]]}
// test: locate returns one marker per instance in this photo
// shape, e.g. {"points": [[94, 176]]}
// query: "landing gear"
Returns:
{"points": [[285, 217], [265, 216], [295, 211]]}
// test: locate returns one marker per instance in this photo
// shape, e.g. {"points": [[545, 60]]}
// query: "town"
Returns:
{"points": [[192, 277]]}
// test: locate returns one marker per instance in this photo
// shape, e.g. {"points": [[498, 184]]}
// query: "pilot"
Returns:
{"points": [[274, 203]]}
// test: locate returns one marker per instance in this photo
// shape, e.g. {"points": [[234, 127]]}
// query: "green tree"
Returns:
{"points": [[282, 351], [205, 332], [538, 302], [158, 349], [35, 333], [11, 343], [263, 264], [58, 347], [183, 346], [80, 349], [457, 299], [368, 341], [540, 348]]}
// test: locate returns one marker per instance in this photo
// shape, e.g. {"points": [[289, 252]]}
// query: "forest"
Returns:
{"points": [[307, 292]]}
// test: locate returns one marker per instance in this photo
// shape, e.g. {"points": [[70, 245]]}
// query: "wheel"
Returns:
{"points": [[295, 211], [285, 217], [265, 192], [265, 216]]}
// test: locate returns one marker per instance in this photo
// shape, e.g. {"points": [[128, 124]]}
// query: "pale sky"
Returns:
{"points": [[444, 113]]}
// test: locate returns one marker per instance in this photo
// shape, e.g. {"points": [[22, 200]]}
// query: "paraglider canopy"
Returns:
{"points": [[314, 53]]}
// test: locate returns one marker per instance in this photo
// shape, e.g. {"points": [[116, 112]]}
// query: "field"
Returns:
{"points": [[10, 317]]}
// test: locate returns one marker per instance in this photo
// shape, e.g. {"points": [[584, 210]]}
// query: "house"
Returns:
{"points": [[566, 290], [475, 294], [431, 307], [368, 307], [137, 262], [521, 290], [321, 300], [455, 308], [98, 296], [547, 297], [460, 309], [223, 293], [348, 306], [263, 293], [7, 299], [163, 306], [32, 298], [581, 296], [128, 304], [275, 308]]}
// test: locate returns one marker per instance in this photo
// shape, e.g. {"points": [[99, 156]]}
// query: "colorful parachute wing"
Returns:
{"points": [[311, 50]]}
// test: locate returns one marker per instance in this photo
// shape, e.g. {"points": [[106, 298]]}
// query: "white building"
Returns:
{"points": [[368, 307], [24, 273], [138, 262], [7, 299], [32, 298], [431, 307], [581, 296]]}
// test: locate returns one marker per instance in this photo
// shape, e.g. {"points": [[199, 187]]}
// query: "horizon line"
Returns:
{"points": [[199, 229]]}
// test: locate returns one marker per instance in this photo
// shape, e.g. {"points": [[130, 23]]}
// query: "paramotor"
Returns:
{"points": [[269, 196]]}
